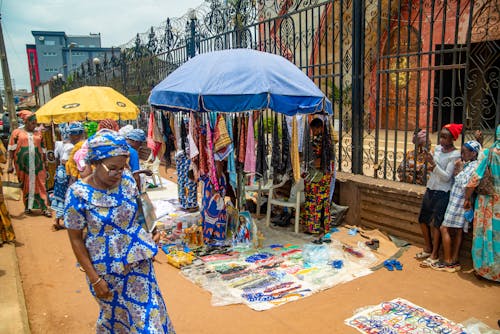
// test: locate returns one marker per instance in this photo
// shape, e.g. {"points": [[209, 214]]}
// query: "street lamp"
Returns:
{"points": [[96, 62], [70, 47]]}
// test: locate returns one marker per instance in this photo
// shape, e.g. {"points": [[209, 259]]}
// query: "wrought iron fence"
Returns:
{"points": [[389, 66]]}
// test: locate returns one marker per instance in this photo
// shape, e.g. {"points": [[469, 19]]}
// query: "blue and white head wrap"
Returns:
{"points": [[473, 146], [75, 128], [137, 135], [106, 144], [63, 129]]}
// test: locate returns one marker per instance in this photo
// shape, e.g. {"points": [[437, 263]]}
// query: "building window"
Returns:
{"points": [[51, 43], [50, 54]]}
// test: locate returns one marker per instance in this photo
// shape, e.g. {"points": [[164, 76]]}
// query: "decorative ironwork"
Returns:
{"points": [[422, 64]]}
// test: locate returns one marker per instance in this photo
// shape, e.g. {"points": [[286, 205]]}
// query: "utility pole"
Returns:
{"points": [[9, 94]]}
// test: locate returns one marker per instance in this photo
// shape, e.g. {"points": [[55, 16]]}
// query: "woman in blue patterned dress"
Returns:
{"points": [[116, 252]]}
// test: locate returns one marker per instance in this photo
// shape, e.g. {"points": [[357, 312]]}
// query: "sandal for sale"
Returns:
{"points": [[388, 265], [422, 255]]}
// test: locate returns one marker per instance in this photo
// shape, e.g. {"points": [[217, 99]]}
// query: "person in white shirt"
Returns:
{"points": [[441, 166]]}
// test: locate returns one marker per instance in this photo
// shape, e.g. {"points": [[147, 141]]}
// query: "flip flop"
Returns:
{"points": [[422, 255], [388, 264], [58, 227], [427, 263], [397, 264]]}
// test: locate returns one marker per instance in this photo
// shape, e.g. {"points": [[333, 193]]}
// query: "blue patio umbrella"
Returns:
{"points": [[239, 80]]}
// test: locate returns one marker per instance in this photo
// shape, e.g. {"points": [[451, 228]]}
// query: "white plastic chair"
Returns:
{"points": [[294, 201], [259, 187], [154, 166]]}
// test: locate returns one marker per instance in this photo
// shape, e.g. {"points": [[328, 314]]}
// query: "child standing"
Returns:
{"points": [[441, 166], [454, 219]]}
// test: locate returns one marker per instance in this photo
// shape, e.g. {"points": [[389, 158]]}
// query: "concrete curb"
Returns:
{"points": [[14, 316]]}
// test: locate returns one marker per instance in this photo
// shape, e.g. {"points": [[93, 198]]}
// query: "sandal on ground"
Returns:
{"points": [[448, 267], [397, 265], [428, 262], [47, 213], [317, 241], [57, 227], [27, 211], [388, 265], [422, 255]]}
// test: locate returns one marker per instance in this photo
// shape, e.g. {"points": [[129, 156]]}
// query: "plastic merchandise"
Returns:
{"points": [[315, 255], [469, 215], [475, 326]]}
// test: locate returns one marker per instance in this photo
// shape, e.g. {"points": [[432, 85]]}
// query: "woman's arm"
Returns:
{"points": [[82, 255]]}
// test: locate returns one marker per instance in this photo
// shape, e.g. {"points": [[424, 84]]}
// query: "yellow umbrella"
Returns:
{"points": [[87, 103]]}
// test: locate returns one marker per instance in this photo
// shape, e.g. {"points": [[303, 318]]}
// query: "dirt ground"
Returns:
{"points": [[58, 300]]}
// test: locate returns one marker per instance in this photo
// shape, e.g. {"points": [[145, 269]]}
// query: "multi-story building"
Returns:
{"points": [[56, 54]]}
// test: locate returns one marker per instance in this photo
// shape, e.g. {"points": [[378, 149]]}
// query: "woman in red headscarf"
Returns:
{"points": [[27, 154]]}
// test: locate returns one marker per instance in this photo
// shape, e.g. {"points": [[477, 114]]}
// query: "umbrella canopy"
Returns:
{"points": [[87, 103], [239, 80]]}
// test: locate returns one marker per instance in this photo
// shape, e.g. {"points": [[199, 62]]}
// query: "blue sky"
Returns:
{"points": [[118, 21]]}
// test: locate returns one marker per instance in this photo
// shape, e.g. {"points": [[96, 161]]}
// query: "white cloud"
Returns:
{"points": [[118, 21]]}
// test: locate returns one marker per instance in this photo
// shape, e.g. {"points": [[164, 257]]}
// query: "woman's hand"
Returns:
{"points": [[10, 170], [102, 289], [467, 204]]}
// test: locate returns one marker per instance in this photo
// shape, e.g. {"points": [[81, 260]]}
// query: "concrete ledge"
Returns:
{"points": [[13, 315]]}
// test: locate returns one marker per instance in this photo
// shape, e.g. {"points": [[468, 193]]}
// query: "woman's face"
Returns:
{"points": [[468, 155], [445, 138], [30, 123], [110, 170]]}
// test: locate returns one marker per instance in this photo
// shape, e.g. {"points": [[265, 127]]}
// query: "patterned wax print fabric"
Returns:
{"points": [[136, 305], [28, 159], [71, 166], [49, 146], [60, 188], [121, 252], [412, 170], [486, 230], [213, 212], [6, 229], [133, 160], [316, 214], [454, 216], [186, 188]]}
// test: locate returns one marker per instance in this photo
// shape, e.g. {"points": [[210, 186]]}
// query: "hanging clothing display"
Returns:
{"points": [[250, 148], [186, 187], [211, 161], [276, 148], [261, 163], [295, 151], [231, 161], [213, 213], [243, 140], [286, 163]]}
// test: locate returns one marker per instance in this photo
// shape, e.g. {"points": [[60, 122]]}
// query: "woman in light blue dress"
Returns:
{"points": [[116, 252]]}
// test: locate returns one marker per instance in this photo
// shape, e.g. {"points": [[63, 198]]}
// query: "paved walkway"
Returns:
{"points": [[13, 315]]}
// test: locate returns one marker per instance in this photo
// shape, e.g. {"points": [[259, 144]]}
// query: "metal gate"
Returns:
{"points": [[389, 66]]}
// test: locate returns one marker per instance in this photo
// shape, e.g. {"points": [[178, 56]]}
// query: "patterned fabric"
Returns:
{"points": [[316, 214], [454, 216], [136, 305], [28, 160], [486, 230], [136, 135], [80, 156], [187, 188], [25, 115], [109, 124], [106, 144], [412, 170], [6, 229], [473, 146], [114, 238], [60, 188], [71, 166], [213, 212], [75, 128]]}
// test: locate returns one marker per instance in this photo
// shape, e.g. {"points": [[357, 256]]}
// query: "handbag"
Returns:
{"points": [[146, 214], [12, 190], [486, 185]]}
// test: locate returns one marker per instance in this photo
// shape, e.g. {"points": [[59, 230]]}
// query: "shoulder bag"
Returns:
{"points": [[486, 185]]}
